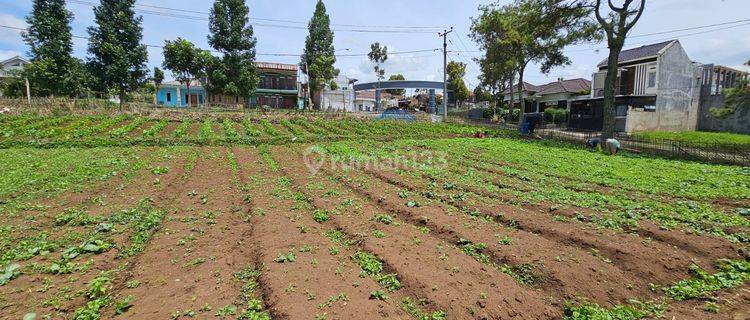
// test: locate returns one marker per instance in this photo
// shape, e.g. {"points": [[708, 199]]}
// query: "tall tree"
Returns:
{"points": [[536, 31], [52, 71], [396, 92], [118, 58], [158, 79], [378, 55], [481, 94], [186, 61], [234, 72], [456, 72], [616, 24], [318, 57]]}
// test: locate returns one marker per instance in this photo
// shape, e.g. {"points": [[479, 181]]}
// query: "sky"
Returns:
{"points": [[728, 44]]}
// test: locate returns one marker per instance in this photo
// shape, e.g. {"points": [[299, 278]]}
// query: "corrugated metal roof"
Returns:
{"points": [[639, 53]]}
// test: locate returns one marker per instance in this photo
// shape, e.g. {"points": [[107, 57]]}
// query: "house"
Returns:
{"points": [[277, 88], [176, 94], [657, 89], [7, 67], [365, 100], [340, 99], [555, 94]]}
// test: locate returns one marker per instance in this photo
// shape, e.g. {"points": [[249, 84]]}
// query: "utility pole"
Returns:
{"points": [[444, 34]]}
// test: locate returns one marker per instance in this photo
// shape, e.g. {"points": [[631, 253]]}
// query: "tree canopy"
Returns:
{"points": [[319, 56], [396, 92], [456, 72], [481, 94], [118, 59], [530, 31], [186, 61], [231, 34], [378, 55], [52, 69]]}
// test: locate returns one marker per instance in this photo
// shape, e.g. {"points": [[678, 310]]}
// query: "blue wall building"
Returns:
{"points": [[175, 94]]}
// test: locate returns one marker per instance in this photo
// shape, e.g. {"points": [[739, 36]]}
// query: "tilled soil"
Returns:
{"points": [[460, 251]]}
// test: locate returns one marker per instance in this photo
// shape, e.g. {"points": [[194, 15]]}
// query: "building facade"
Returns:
{"points": [[657, 89], [277, 88], [176, 94], [555, 94]]}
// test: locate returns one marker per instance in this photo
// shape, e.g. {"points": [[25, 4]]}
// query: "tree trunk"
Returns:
{"points": [[122, 98], [512, 100], [521, 99], [315, 97], [156, 93], [609, 121], [188, 94]]}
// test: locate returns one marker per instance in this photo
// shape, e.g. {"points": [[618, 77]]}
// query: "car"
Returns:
{"points": [[397, 114]]}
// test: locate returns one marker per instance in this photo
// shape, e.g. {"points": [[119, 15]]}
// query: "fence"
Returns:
{"points": [[721, 153]]}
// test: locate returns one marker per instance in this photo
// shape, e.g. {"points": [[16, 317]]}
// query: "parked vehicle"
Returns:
{"points": [[397, 114]]}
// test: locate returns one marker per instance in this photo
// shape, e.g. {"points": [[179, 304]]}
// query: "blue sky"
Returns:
{"points": [[730, 47]]}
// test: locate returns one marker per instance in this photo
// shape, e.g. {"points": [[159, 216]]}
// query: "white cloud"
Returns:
{"points": [[11, 36], [7, 54]]}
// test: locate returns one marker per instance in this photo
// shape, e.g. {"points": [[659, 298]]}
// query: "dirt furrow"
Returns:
{"points": [[637, 256], [696, 245], [566, 272], [198, 249], [424, 262], [317, 282]]}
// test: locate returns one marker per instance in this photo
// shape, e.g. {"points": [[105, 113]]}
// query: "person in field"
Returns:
{"points": [[593, 143], [613, 146]]}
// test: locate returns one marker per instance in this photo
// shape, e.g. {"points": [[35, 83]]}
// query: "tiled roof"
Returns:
{"points": [[528, 87], [565, 86], [639, 53]]}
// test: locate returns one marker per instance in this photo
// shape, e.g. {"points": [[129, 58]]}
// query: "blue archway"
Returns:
{"points": [[402, 84]]}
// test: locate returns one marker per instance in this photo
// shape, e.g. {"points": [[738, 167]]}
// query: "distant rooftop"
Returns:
{"points": [[643, 52]]}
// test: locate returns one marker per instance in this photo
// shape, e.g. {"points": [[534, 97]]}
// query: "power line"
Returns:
{"points": [[292, 21], [260, 54], [631, 45], [255, 24]]}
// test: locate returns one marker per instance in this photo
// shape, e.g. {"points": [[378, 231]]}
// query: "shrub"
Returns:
{"points": [[555, 115]]}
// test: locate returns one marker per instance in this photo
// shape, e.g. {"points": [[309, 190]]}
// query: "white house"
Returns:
{"points": [[13, 64]]}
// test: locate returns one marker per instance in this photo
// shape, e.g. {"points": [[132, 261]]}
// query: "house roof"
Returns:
{"points": [[193, 84], [639, 53], [565, 86], [528, 87], [19, 58], [370, 94]]}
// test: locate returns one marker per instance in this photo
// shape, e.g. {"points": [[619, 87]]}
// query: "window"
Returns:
{"points": [[651, 77], [169, 97], [621, 111]]}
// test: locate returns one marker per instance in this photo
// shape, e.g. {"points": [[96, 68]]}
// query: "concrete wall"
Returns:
{"points": [[736, 123], [338, 100], [678, 96]]}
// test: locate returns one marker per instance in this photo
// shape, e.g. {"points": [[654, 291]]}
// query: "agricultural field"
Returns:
{"points": [[698, 137], [304, 218], [129, 130]]}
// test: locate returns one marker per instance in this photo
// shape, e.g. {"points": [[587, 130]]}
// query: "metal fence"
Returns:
{"points": [[721, 153]]}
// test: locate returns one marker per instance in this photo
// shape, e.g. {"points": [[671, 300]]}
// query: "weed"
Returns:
{"points": [[288, 257], [320, 216], [732, 273], [384, 218], [378, 295]]}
